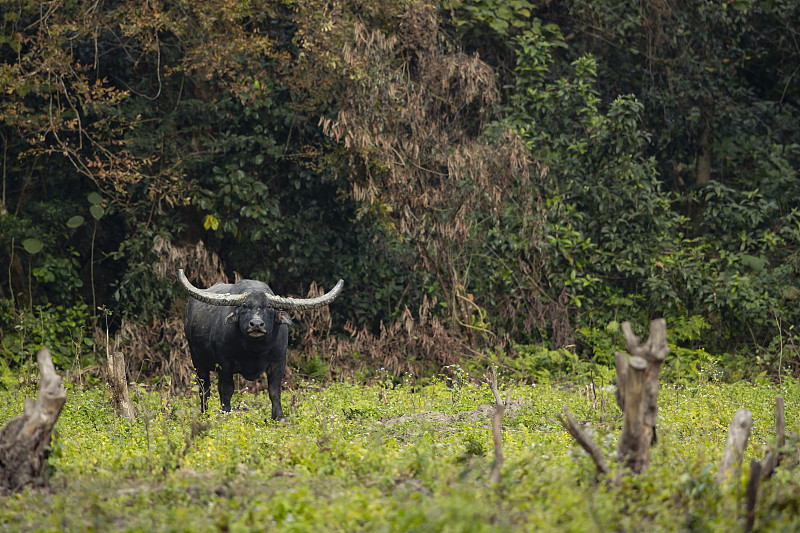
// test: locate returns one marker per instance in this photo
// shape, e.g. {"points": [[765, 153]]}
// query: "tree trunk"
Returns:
{"points": [[25, 440], [704, 157]]}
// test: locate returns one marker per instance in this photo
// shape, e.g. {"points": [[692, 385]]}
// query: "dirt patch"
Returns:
{"points": [[483, 414]]}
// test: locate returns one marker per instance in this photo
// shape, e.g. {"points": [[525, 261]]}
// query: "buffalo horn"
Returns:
{"points": [[277, 302]]}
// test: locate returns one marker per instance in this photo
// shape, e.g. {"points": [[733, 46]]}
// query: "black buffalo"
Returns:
{"points": [[241, 328]]}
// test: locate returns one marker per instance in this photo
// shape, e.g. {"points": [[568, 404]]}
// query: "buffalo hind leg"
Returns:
{"points": [[274, 380]]}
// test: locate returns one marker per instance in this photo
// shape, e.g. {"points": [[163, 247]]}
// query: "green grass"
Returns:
{"points": [[334, 466]]}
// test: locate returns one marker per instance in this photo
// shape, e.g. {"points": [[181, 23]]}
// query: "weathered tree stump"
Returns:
{"points": [[634, 440], [118, 378], [637, 396], [637, 393], [25, 440]]}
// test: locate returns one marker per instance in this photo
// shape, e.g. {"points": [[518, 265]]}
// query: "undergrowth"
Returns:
{"points": [[346, 461]]}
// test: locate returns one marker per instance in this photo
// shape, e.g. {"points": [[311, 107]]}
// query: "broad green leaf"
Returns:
{"points": [[94, 198], [97, 211], [32, 246], [75, 221]]}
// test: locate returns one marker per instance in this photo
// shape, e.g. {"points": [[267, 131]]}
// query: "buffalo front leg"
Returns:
{"points": [[274, 380], [204, 382], [225, 376]]}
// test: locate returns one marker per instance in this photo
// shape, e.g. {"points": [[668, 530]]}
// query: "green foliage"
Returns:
{"points": [[650, 170], [66, 331], [338, 465]]}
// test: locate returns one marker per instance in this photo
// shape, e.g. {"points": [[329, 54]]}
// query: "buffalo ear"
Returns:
{"points": [[231, 317], [283, 318]]}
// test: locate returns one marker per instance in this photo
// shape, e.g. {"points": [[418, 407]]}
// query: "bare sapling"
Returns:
{"points": [[497, 421], [25, 439]]}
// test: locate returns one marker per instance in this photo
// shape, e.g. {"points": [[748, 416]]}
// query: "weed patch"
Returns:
{"points": [[370, 458]]}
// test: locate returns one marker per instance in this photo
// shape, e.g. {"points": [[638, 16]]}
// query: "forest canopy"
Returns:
{"points": [[487, 176]]}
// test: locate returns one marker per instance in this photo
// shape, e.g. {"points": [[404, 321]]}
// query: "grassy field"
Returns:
{"points": [[410, 458]]}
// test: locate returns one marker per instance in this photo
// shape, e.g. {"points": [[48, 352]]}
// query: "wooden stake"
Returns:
{"points": [[751, 494], [118, 376], [773, 456], [738, 434]]}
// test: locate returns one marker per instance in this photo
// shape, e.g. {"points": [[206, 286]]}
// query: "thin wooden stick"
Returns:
{"points": [[497, 423], [586, 442]]}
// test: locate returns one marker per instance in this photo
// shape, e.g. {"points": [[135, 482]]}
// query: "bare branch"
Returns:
{"points": [[492, 374], [586, 442], [497, 421]]}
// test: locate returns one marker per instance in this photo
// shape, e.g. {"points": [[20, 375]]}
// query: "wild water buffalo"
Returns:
{"points": [[241, 328]]}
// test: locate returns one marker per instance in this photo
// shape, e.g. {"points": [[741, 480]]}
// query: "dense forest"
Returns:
{"points": [[503, 180]]}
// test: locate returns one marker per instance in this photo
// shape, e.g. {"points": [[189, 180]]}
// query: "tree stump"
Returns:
{"points": [[637, 393], [25, 440], [637, 396], [118, 377]]}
